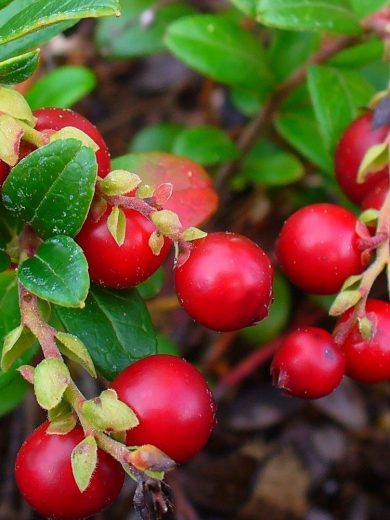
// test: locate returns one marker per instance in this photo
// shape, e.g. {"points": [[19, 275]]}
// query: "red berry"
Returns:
{"points": [[226, 283], [44, 476], [369, 361], [353, 145], [376, 197], [318, 248], [308, 364], [4, 171], [57, 118], [122, 266], [173, 403]]}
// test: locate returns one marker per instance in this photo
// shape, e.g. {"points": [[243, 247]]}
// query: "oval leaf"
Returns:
{"points": [[34, 15], [58, 272], [309, 15], [337, 96], [114, 326], [18, 69], [12, 394], [193, 198], [84, 461], [220, 49], [129, 35], [62, 87], [206, 145], [52, 188], [51, 379]]}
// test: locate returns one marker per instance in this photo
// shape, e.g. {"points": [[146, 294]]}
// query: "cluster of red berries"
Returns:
{"points": [[318, 249], [225, 283]]}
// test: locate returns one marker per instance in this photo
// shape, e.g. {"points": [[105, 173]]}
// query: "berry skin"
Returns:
{"points": [[308, 364], [44, 476], [369, 361], [318, 248], [376, 197], [226, 283], [353, 145], [173, 403], [120, 267], [57, 118]]}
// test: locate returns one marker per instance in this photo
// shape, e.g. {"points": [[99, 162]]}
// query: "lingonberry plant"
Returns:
{"points": [[71, 215]]}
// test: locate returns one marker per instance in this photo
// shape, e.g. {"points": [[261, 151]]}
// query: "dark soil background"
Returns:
{"points": [[270, 457]]}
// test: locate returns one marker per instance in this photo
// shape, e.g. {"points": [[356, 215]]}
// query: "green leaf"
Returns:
{"points": [[73, 348], [289, 50], [165, 346], [116, 224], [12, 103], [58, 272], [359, 55], [119, 182], [4, 3], [220, 49], [127, 36], [62, 426], [9, 320], [18, 69], [12, 394], [309, 15], [114, 326], [300, 130], [51, 379], [246, 101], [16, 343], [344, 301], [374, 160], [364, 8], [279, 169], [107, 413], [62, 87], [156, 138], [33, 40], [248, 7], [337, 96], [40, 13], [205, 145], [52, 188], [84, 460], [153, 285]]}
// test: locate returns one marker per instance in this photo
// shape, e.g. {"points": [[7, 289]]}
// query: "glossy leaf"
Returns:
{"points": [[52, 188], [300, 130], [366, 7], [132, 34], [18, 69], [58, 272], [156, 138], [12, 394], [205, 145], [289, 49], [359, 55], [337, 97], [62, 87], [248, 7], [193, 198], [32, 40], [309, 15], [221, 49], [114, 326], [23, 18], [4, 3], [9, 320], [278, 169]]}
